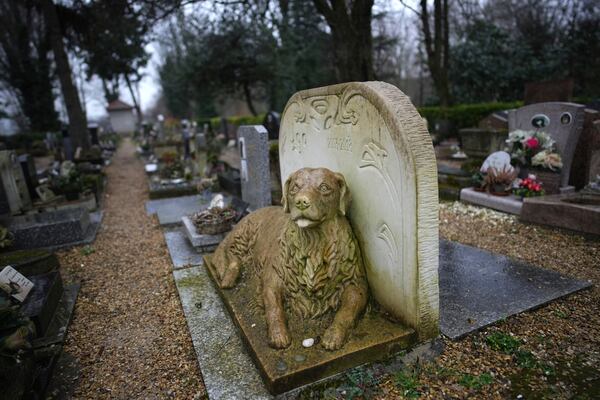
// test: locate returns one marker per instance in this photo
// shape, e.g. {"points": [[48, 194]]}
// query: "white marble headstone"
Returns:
{"points": [[372, 134], [499, 160]]}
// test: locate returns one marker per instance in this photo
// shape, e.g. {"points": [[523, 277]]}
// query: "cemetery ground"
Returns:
{"points": [[129, 337]]}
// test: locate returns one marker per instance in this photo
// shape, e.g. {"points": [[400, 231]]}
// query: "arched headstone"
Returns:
{"points": [[372, 134]]}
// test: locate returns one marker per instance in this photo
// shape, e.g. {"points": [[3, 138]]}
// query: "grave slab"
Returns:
{"points": [[574, 211], [49, 228], [55, 229], [181, 251], [57, 329], [374, 338], [478, 288], [510, 204], [204, 243], [227, 369], [43, 299], [157, 190], [171, 210]]}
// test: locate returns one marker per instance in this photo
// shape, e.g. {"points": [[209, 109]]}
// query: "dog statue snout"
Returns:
{"points": [[302, 203]]}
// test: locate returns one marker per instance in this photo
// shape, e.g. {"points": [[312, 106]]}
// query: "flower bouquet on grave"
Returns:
{"points": [[529, 187], [213, 221], [499, 182], [523, 146]]}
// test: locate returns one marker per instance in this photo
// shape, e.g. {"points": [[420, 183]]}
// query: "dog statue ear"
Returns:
{"points": [[345, 197], [284, 201]]}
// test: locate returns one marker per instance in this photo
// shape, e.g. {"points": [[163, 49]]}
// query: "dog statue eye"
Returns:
{"points": [[295, 188], [324, 188]]}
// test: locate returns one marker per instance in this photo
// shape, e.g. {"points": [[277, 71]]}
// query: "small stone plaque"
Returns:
{"points": [[15, 284]]}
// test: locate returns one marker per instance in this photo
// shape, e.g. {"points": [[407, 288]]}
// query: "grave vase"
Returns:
{"points": [[550, 180]]}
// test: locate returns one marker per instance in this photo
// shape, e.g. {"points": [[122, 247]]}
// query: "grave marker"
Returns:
{"points": [[255, 174], [562, 121], [372, 134]]}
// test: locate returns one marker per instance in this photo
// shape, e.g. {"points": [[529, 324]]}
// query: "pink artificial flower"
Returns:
{"points": [[532, 143]]}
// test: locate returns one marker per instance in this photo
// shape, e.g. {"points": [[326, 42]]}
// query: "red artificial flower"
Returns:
{"points": [[532, 143]]}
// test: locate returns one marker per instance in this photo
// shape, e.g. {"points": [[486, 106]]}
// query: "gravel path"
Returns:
{"points": [[129, 337]]}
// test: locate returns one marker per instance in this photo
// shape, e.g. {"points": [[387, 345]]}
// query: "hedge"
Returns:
{"points": [[215, 122], [465, 115], [461, 116]]}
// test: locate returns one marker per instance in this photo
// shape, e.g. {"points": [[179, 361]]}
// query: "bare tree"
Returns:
{"points": [[77, 119], [350, 24], [436, 42]]}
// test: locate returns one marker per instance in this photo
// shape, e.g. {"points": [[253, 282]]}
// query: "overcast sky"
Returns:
{"points": [[149, 88]]}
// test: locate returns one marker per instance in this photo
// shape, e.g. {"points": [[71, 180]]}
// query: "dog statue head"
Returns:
{"points": [[314, 195]]}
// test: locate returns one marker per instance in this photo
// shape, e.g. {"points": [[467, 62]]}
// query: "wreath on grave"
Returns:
{"points": [[215, 220]]}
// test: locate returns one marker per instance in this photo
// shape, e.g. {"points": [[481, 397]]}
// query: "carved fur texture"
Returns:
{"points": [[304, 255]]}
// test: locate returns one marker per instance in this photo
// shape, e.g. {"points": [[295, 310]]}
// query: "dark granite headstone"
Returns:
{"points": [[4, 204], [93, 129], [29, 173], [271, 123], [587, 153], [230, 181], [496, 121], [556, 90]]}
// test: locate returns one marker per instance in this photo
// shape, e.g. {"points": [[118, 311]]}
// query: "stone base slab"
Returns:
{"points": [[568, 211], [510, 204], [374, 338], [180, 249], [204, 243]]}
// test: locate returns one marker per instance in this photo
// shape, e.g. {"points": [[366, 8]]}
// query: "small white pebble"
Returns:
{"points": [[308, 342], [253, 325]]}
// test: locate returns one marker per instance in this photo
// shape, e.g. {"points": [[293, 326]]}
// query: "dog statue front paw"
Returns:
{"points": [[334, 337], [279, 338], [230, 275]]}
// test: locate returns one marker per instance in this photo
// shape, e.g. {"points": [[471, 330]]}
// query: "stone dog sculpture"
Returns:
{"points": [[305, 255]]}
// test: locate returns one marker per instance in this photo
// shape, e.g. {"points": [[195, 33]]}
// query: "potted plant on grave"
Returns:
{"points": [[528, 187], [70, 185], [499, 182]]}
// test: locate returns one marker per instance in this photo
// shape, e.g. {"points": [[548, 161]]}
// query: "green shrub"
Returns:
{"points": [[503, 342], [475, 381], [215, 122], [465, 115]]}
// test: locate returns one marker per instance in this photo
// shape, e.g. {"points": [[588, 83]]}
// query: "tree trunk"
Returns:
{"points": [[77, 120], [350, 26], [437, 47], [138, 110], [248, 96]]}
